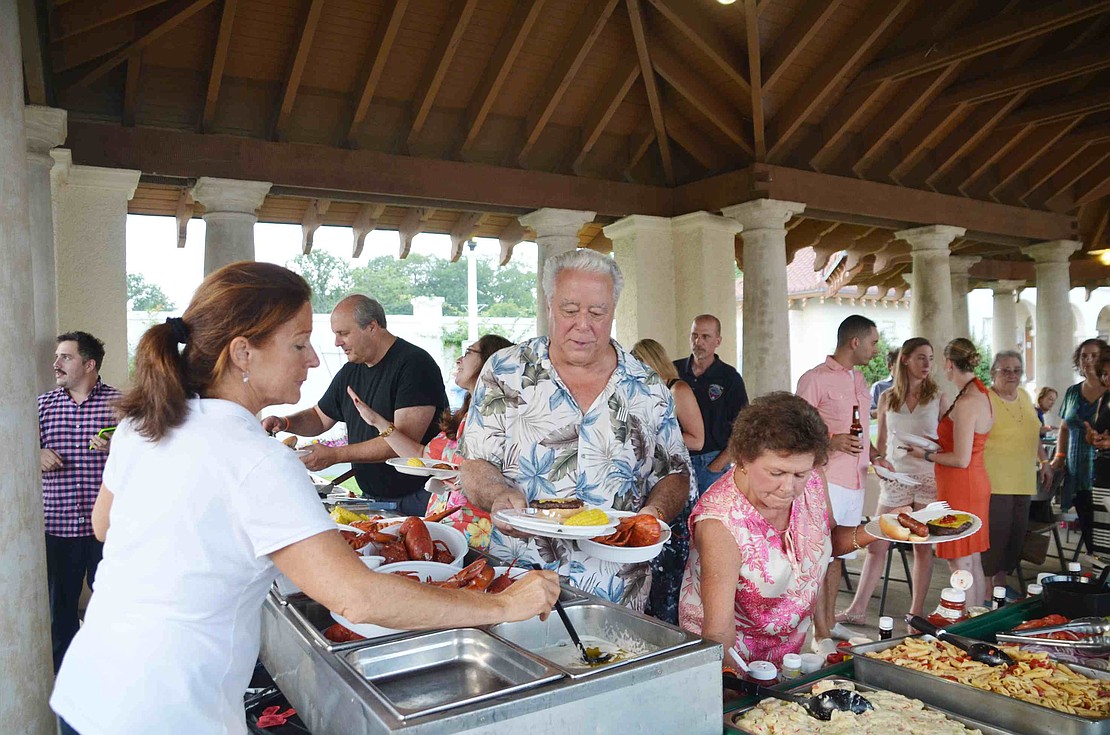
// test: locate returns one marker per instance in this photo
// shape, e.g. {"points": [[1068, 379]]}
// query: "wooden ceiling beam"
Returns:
{"points": [[923, 136], [639, 146], [647, 73], [852, 107], [497, 71], [611, 97], [1055, 193], [1064, 108], [219, 61], [985, 158], [296, 67], [999, 32], [693, 141], [131, 87], [1026, 77], [806, 234], [1039, 142], [850, 50], [574, 53], [184, 11], [1094, 186], [450, 39], [981, 124], [94, 45], [32, 44], [1099, 233], [708, 101], [707, 37], [808, 22], [72, 19], [1060, 157], [384, 36], [755, 78]]}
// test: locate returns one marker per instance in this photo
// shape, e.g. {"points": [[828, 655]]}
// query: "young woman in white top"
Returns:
{"points": [[913, 405], [200, 509]]}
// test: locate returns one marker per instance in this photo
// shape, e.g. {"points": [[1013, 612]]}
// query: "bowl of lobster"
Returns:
{"points": [[407, 539], [637, 538]]}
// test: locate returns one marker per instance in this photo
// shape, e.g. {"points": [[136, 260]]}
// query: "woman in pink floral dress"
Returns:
{"points": [[763, 535], [474, 522]]}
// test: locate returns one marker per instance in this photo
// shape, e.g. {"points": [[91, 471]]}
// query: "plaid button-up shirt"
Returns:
{"points": [[69, 492]]}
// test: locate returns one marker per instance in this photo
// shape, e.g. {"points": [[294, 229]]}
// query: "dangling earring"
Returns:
{"points": [[246, 377]]}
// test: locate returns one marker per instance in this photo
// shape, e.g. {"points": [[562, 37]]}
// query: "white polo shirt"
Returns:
{"points": [[172, 632]]}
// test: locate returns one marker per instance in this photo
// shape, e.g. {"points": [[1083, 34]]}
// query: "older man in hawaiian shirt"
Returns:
{"points": [[575, 415]]}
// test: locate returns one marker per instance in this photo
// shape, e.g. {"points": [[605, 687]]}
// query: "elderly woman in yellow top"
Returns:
{"points": [[1011, 455]]}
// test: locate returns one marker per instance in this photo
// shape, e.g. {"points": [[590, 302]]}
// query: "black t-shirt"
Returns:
{"points": [[406, 376], [1101, 423], [721, 394]]}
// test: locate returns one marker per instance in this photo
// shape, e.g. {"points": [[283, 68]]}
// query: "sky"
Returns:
{"points": [[153, 253]]}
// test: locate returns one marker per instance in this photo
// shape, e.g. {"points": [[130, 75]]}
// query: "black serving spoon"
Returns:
{"points": [[591, 659], [984, 653], [819, 706]]}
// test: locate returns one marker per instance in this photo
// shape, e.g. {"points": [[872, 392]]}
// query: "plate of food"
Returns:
{"points": [[918, 441], [925, 526], [423, 467], [637, 538], [560, 518], [899, 477]]}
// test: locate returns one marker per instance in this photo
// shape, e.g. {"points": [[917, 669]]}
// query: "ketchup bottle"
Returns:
{"points": [[951, 609]]}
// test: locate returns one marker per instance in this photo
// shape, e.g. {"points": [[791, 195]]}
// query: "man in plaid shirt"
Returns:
{"points": [[72, 458]]}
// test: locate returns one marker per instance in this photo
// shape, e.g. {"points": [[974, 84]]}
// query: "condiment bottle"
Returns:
{"points": [[886, 628], [857, 427], [791, 666], [998, 598], [762, 673], [952, 608], [1033, 590], [1075, 569]]}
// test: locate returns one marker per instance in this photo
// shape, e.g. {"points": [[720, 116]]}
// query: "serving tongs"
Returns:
{"points": [[1094, 631], [1079, 626], [984, 653], [818, 706]]}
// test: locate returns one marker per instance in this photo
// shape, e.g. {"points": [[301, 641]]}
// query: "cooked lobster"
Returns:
{"points": [[638, 530]]}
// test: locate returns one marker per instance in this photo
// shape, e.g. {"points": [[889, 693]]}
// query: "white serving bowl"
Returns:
{"points": [[424, 569], [626, 554], [449, 535]]}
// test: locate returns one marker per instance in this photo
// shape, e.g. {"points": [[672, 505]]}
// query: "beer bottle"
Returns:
{"points": [[856, 429]]}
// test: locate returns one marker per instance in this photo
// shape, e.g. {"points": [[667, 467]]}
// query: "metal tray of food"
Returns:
{"points": [[436, 671], [1014, 714], [628, 635], [1084, 646], [732, 718], [313, 618]]}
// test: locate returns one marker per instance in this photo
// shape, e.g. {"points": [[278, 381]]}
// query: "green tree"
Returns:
{"points": [[983, 369], [145, 296], [876, 369], [328, 275]]}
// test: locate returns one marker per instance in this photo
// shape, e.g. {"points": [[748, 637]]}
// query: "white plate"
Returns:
{"points": [[626, 554], [925, 516], [399, 464], [900, 477], [528, 521], [438, 573], [918, 441]]}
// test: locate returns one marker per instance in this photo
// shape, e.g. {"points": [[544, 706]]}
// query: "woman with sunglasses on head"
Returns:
{"points": [[474, 522]]}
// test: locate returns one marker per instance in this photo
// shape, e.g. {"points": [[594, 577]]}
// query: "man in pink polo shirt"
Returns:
{"points": [[834, 388]]}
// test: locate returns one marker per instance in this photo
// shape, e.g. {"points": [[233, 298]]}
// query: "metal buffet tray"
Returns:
{"points": [[1014, 714], [449, 668], [731, 718], [1080, 645], [611, 624]]}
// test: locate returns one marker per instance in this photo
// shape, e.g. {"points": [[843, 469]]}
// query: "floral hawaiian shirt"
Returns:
{"points": [[525, 422]]}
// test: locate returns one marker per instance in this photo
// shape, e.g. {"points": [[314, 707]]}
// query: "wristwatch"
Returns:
{"points": [[929, 455], [388, 430]]}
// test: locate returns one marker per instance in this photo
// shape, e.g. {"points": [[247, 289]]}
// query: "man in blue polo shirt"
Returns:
{"points": [[720, 392]]}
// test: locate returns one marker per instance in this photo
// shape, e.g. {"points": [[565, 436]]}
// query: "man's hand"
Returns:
{"points": [[319, 457], [100, 444], [273, 424], [49, 460], [509, 499], [847, 443]]}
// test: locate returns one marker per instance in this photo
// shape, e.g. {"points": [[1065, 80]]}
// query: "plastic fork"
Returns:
{"points": [[937, 505]]}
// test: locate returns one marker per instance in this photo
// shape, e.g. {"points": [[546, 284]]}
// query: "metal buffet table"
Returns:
{"points": [[490, 679]]}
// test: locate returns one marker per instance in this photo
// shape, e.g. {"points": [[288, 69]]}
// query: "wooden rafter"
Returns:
{"points": [[74, 18], [611, 97], [755, 78], [1026, 77], [853, 107], [219, 60], [585, 34], [1064, 108], [1094, 186], [988, 155], [811, 17], [638, 148], [706, 37], [1057, 187], [923, 136], [699, 94], [187, 10], [965, 138], [384, 37], [806, 234], [497, 71], [1099, 233], [997, 33], [1061, 156], [95, 44], [1039, 142], [32, 43], [639, 36], [449, 40], [296, 68], [850, 50], [131, 87], [693, 141]]}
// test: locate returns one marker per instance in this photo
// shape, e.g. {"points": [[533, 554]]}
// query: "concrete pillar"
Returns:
{"points": [[644, 251], [26, 670], [704, 276], [960, 265], [766, 322], [230, 211], [45, 128], [931, 303], [1054, 337], [1004, 335], [556, 232], [90, 229]]}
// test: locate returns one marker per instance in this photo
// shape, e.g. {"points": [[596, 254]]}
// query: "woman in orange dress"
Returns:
{"points": [[961, 475]]}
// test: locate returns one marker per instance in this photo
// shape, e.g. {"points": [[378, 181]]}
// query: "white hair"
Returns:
{"points": [[584, 261]]}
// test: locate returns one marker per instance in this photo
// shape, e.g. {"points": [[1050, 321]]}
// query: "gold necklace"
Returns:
{"points": [[1005, 405]]}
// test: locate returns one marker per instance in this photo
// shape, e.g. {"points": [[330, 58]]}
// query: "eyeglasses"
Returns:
{"points": [[471, 351], [1016, 372]]}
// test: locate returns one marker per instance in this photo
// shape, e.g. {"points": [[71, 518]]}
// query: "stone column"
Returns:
{"points": [[556, 232], [90, 227], [1053, 345], [931, 303], [26, 670], [766, 323], [46, 129], [1004, 319], [643, 249], [230, 211], [704, 280], [960, 265]]}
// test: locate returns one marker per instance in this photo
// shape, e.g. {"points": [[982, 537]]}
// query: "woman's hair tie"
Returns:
{"points": [[180, 330]]}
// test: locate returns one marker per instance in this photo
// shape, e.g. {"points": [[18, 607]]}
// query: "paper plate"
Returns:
{"points": [[918, 441], [401, 465], [530, 522], [925, 516], [899, 477]]}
